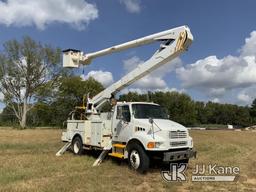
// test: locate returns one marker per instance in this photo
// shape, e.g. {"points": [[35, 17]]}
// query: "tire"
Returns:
{"points": [[137, 158], [77, 146]]}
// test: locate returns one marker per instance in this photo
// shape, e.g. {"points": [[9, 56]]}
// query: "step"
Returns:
{"points": [[118, 145], [118, 155]]}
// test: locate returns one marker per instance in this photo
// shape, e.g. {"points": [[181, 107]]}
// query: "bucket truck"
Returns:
{"points": [[136, 131]]}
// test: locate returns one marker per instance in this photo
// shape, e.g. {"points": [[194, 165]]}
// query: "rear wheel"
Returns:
{"points": [[137, 158], [77, 146]]}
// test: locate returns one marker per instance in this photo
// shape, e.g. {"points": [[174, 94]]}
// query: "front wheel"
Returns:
{"points": [[77, 146], [137, 158]]}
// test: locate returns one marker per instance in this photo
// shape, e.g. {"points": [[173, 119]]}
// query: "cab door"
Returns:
{"points": [[122, 126]]}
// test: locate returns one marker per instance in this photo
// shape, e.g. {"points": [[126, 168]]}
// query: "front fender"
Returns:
{"points": [[145, 138]]}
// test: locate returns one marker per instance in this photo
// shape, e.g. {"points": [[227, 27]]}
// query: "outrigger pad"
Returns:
{"points": [[103, 154], [63, 149], [100, 158]]}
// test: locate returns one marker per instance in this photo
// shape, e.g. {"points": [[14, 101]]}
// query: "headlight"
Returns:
{"points": [[158, 144], [191, 142], [151, 145]]}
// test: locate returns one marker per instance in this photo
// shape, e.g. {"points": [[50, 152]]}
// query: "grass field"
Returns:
{"points": [[28, 163]]}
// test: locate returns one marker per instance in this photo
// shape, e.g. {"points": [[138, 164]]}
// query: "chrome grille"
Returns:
{"points": [[177, 134], [178, 143]]}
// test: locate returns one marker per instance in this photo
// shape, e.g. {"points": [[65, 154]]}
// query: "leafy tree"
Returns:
{"points": [[7, 117], [133, 96], [24, 67], [253, 110], [201, 113], [55, 104], [184, 110], [242, 116], [179, 105]]}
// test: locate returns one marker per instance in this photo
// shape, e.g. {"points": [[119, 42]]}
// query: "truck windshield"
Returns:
{"points": [[145, 111]]}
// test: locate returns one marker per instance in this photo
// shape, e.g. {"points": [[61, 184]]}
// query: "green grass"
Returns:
{"points": [[28, 163]]}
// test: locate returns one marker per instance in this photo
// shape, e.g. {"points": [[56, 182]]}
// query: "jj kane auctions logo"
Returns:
{"points": [[201, 173]]}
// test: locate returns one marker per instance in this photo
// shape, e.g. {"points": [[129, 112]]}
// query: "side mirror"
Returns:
{"points": [[150, 120]]}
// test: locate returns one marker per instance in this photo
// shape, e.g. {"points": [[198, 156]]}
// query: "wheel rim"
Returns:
{"points": [[135, 159], [76, 147]]}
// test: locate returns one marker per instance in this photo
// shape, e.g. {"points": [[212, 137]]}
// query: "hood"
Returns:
{"points": [[163, 124]]}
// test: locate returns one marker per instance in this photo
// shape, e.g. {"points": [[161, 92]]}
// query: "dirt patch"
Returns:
{"points": [[251, 181]]}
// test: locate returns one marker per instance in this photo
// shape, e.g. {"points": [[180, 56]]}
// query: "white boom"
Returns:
{"points": [[175, 41]]}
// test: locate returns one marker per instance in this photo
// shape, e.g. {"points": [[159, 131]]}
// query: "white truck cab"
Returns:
{"points": [[137, 131], [150, 125]]}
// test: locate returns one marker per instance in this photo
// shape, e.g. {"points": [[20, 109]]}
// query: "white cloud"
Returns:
{"points": [[250, 45], [104, 77], [77, 13], [132, 63], [153, 81], [243, 97], [216, 77], [216, 92], [216, 100], [150, 81], [247, 95], [226, 73], [132, 6]]}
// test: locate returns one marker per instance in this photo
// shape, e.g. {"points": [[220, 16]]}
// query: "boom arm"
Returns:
{"points": [[175, 41]]}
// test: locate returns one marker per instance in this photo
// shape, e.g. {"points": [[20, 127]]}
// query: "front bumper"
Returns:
{"points": [[179, 155]]}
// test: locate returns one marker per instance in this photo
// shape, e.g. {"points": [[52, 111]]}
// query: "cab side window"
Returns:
{"points": [[126, 113], [123, 112], [119, 112]]}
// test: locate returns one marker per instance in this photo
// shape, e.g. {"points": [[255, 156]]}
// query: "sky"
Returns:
{"points": [[220, 65]]}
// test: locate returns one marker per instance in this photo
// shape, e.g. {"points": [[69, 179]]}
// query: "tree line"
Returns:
{"points": [[56, 102], [39, 92], [181, 108]]}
